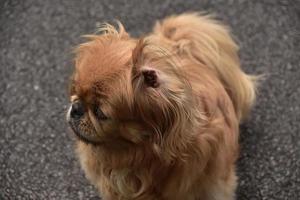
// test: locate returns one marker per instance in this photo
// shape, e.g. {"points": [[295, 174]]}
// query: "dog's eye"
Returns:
{"points": [[99, 113]]}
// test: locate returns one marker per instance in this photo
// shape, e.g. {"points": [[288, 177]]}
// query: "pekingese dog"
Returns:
{"points": [[157, 118]]}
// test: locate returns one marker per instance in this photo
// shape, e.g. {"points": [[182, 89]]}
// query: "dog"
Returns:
{"points": [[157, 117]]}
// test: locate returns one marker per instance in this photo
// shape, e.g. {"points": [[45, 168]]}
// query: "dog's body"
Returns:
{"points": [[174, 101]]}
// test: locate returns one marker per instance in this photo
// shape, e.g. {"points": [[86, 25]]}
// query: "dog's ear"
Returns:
{"points": [[148, 75]]}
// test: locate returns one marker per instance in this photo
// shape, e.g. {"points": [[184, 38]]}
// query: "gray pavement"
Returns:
{"points": [[36, 39]]}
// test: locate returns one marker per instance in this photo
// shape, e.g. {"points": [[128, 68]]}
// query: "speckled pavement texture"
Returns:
{"points": [[36, 41]]}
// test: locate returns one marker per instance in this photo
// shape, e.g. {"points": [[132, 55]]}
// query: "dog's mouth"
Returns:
{"points": [[109, 131], [83, 125], [87, 137]]}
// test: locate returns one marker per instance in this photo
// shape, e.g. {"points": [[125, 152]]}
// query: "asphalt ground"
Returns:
{"points": [[36, 39]]}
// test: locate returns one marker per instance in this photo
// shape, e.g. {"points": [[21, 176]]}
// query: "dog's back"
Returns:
{"points": [[208, 42]]}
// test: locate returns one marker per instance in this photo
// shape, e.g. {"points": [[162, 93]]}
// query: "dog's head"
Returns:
{"points": [[126, 90]]}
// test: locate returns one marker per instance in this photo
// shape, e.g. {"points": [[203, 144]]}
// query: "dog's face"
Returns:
{"points": [[123, 90]]}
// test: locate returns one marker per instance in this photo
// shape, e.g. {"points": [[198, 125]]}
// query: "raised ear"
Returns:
{"points": [[148, 75]]}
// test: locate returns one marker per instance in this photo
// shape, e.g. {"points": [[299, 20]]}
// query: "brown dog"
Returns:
{"points": [[157, 118]]}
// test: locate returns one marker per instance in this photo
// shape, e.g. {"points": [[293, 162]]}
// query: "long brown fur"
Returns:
{"points": [[176, 139]]}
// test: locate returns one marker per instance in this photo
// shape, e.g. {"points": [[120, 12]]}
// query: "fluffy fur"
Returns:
{"points": [[173, 101]]}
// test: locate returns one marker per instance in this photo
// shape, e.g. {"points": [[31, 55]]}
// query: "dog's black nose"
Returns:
{"points": [[77, 110]]}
